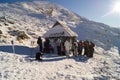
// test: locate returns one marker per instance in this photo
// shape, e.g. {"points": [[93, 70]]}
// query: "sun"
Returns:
{"points": [[116, 8]]}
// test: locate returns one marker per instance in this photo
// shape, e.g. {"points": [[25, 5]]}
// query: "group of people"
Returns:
{"points": [[66, 46], [85, 48], [88, 47]]}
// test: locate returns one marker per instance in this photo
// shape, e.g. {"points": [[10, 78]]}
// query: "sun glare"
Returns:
{"points": [[116, 8]]}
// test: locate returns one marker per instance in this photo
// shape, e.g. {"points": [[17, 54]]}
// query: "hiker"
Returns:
{"points": [[39, 42], [38, 56], [73, 48], [91, 49], [58, 43], [46, 45], [63, 50], [76, 48], [52, 46], [80, 47], [55, 46], [86, 47], [51, 49], [67, 47]]}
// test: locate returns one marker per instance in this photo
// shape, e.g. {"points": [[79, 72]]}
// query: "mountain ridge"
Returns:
{"points": [[41, 15]]}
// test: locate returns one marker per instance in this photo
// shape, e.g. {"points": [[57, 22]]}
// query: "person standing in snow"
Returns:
{"points": [[38, 56], [91, 49], [86, 48], [74, 48], [80, 47], [59, 47], [63, 51], [46, 45], [55, 46], [52, 45], [67, 47], [39, 42]]}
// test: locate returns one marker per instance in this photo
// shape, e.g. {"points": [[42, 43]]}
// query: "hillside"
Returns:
{"points": [[24, 16], [23, 22]]}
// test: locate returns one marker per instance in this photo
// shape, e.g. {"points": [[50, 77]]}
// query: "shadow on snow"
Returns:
{"points": [[30, 54], [21, 50]]}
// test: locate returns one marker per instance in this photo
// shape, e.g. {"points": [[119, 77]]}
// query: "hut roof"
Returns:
{"points": [[59, 29]]}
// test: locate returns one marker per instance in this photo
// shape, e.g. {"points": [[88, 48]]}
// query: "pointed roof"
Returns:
{"points": [[59, 29], [57, 23]]}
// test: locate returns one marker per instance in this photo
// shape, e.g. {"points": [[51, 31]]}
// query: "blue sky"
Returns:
{"points": [[96, 10], [93, 10]]}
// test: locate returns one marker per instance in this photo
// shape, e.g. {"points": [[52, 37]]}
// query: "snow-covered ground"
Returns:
{"points": [[105, 65], [35, 18]]}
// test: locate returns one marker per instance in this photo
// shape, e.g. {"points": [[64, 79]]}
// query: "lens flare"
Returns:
{"points": [[116, 8]]}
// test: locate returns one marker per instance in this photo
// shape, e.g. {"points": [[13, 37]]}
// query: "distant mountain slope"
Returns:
{"points": [[100, 33], [36, 17]]}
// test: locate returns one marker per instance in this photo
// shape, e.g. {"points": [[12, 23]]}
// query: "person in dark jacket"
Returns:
{"points": [[38, 56], [58, 43], [39, 42], [86, 48], [80, 47], [46, 45], [91, 49]]}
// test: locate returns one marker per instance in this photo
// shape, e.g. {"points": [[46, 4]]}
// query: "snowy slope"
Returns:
{"points": [[24, 67], [102, 34], [34, 19]]}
